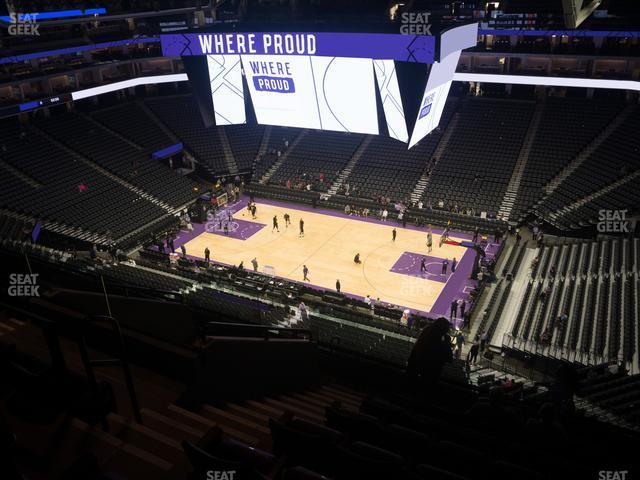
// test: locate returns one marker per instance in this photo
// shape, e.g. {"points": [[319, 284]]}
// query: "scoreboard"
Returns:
{"points": [[347, 82]]}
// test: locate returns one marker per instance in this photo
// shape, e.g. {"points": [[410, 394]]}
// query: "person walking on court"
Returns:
{"points": [[254, 262], [356, 259], [226, 228], [253, 211], [338, 285], [184, 251], [393, 235], [171, 245], [275, 224], [476, 231], [305, 273], [462, 305], [207, 254], [429, 242], [423, 265], [454, 309], [287, 220], [445, 264], [301, 234], [454, 264], [385, 213]]}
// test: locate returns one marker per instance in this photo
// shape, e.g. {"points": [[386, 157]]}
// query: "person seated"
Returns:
{"points": [[356, 259]]}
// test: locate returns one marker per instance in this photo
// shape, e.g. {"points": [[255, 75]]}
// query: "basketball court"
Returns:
{"points": [[389, 270]]}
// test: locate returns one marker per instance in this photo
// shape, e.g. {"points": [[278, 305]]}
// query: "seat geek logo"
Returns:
{"points": [[613, 221], [23, 24], [272, 77], [23, 285], [415, 23]]}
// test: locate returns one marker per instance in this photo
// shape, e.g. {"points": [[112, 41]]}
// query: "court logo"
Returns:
{"points": [[23, 285], [23, 24], [613, 221], [415, 23], [413, 286]]}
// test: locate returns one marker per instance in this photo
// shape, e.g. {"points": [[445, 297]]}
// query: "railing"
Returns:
{"points": [[558, 352], [52, 330], [248, 330]]}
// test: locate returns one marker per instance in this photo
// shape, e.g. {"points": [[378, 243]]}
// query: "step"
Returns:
{"points": [[256, 416], [223, 418], [341, 394], [145, 437], [310, 400], [203, 423], [328, 400], [312, 406], [170, 427], [302, 412], [133, 462]]}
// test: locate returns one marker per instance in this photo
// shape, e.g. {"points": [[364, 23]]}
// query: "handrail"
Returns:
{"points": [[57, 357], [265, 331], [120, 360]]}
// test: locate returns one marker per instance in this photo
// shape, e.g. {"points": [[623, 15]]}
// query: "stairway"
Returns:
{"points": [[154, 118], [266, 138], [33, 183], [274, 168], [423, 181], [99, 125], [137, 190], [346, 171], [555, 182], [230, 160], [511, 193], [132, 450], [248, 421], [593, 196]]}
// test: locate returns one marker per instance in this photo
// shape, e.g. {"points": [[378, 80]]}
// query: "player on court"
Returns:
{"points": [[393, 235], [429, 242], [287, 220], [301, 234], [305, 272], [275, 224]]}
